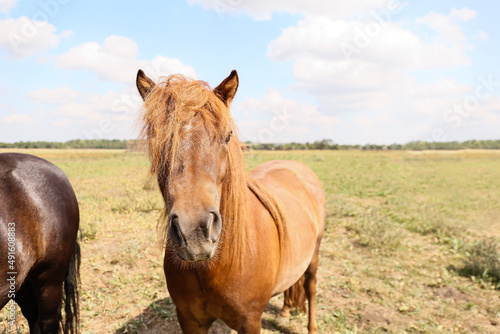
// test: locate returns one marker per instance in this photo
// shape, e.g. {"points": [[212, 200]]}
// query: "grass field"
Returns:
{"points": [[409, 247]]}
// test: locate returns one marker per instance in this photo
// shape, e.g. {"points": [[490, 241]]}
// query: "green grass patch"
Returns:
{"points": [[482, 261]]}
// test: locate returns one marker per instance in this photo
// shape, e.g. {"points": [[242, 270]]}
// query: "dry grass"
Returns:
{"points": [[398, 223]]}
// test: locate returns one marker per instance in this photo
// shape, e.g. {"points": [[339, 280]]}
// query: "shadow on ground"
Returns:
{"points": [[276, 323], [160, 317]]}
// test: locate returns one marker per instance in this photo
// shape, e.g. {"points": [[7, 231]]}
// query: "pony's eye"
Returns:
{"points": [[228, 138]]}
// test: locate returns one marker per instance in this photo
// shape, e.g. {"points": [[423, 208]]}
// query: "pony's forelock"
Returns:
{"points": [[169, 107]]}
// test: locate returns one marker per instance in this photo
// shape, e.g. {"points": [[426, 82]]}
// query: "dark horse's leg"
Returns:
{"points": [[3, 297], [26, 299], [48, 289]]}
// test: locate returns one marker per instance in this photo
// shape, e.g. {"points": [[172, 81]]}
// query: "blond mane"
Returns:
{"points": [[168, 108]]}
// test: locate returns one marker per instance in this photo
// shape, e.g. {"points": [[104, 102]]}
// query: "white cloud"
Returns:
{"points": [[75, 109], [360, 72], [337, 41], [70, 114], [67, 33], [363, 121], [91, 105], [18, 119], [23, 37], [115, 60], [120, 46], [489, 114], [96, 116], [59, 95], [112, 61], [449, 31], [162, 66], [338, 62], [440, 89], [275, 118], [483, 36], [7, 5], [62, 122], [481, 122], [465, 14], [263, 9]]}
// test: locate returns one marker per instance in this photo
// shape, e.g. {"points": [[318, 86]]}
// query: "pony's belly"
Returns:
{"points": [[292, 275], [300, 193], [298, 258]]}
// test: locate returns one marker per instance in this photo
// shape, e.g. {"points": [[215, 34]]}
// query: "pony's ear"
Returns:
{"points": [[227, 89], [144, 84]]}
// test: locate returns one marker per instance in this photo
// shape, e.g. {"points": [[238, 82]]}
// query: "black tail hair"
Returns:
{"points": [[71, 295]]}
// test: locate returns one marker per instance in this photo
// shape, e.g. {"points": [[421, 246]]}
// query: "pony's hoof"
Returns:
{"points": [[285, 314], [312, 330]]}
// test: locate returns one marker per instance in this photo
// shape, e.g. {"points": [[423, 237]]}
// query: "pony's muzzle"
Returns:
{"points": [[195, 238]]}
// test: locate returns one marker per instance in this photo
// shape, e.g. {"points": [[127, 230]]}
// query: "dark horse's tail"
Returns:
{"points": [[71, 295]]}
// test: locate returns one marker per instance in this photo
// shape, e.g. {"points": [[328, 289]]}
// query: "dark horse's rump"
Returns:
{"points": [[39, 254]]}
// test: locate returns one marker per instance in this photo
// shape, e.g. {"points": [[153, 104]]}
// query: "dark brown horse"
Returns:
{"points": [[39, 254], [233, 240]]}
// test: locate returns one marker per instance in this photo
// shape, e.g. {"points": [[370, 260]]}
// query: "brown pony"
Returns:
{"points": [[232, 240], [39, 254]]}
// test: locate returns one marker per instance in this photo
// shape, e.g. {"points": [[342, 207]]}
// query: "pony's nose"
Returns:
{"points": [[210, 226], [195, 236]]}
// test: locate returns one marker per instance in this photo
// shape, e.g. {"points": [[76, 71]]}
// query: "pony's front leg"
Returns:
{"points": [[192, 325]]}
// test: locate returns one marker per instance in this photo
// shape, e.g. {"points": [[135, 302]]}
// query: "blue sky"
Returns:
{"points": [[369, 71]]}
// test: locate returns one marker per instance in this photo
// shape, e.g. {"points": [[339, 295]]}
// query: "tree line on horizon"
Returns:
{"points": [[328, 144], [325, 144]]}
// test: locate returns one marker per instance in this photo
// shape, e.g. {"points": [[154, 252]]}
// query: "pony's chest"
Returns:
{"points": [[222, 296]]}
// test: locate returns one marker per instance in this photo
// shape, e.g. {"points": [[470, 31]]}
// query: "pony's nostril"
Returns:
{"points": [[174, 225], [215, 218], [213, 227], [173, 220], [216, 221]]}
